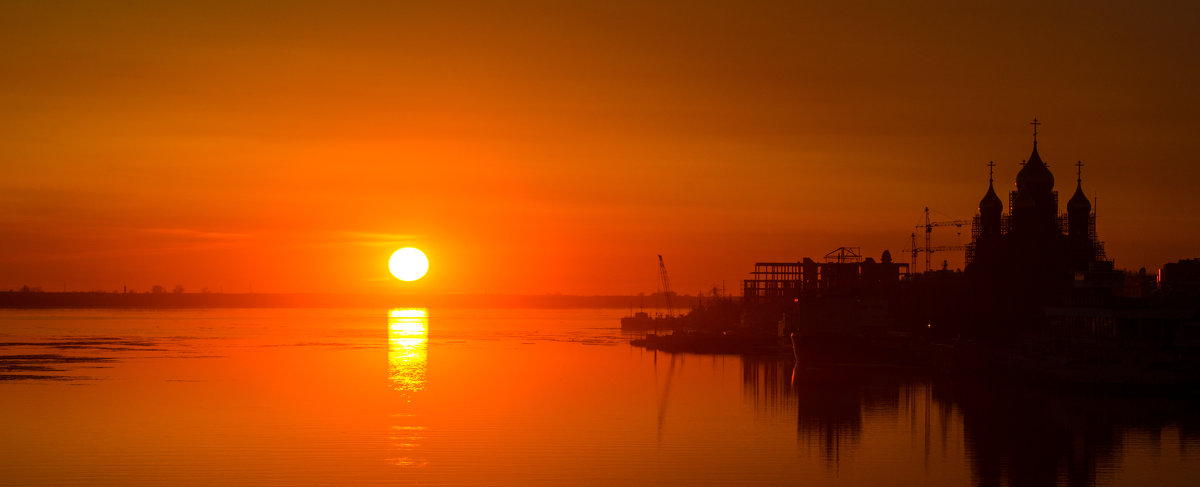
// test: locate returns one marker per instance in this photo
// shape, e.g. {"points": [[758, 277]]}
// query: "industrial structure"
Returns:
{"points": [[929, 248], [642, 320]]}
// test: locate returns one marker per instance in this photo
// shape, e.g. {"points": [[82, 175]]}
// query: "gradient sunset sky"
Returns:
{"points": [[540, 147]]}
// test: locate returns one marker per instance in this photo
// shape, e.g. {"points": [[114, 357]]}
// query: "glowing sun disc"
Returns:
{"points": [[408, 264]]}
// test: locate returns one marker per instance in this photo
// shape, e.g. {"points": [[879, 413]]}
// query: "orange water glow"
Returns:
{"points": [[408, 349], [526, 397]]}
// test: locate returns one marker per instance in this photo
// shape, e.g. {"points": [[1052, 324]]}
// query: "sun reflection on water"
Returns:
{"points": [[408, 360], [408, 349]]}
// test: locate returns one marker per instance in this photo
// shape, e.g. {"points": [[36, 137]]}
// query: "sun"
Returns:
{"points": [[408, 264]]}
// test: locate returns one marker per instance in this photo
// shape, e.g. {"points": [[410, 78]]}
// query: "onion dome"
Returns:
{"points": [[990, 201], [1079, 202], [1035, 175]]}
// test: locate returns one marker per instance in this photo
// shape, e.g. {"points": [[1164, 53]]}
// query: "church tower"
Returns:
{"points": [[1081, 223], [990, 208], [1079, 209], [1034, 205], [1035, 256], [1034, 242]]}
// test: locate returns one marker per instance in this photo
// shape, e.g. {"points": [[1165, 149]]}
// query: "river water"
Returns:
{"points": [[523, 397]]}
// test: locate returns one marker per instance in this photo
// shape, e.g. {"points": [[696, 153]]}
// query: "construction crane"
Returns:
{"points": [[666, 284], [929, 249]]}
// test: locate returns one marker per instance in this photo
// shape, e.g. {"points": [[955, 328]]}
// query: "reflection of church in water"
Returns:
{"points": [[1033, 249]]}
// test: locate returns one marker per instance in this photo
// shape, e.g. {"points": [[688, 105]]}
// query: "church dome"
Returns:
{"points": [[990, 201], [1079, 202], [1035, 175]]}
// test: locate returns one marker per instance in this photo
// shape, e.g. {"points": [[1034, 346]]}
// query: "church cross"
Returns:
{"points": [[991, 165], [1035, 124], [1079, 171]]}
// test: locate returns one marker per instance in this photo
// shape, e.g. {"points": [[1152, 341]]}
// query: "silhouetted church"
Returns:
{"points": [[1033, 252]]}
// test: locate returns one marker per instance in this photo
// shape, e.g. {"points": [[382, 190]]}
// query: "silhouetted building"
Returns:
{"points": [[843, 273], [1180, 278], [1033, 254], [844, 295]]}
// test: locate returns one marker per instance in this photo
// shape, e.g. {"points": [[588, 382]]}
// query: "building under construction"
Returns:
{"points": [[844, 272], [845, 295]]}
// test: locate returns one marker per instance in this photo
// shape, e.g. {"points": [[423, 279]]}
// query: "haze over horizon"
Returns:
{"points": [[549, 147]]}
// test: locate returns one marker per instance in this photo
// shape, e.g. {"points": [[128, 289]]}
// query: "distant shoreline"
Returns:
{"points": [[52, 300]]}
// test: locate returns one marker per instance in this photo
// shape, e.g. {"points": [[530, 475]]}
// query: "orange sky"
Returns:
{"points": [[558, 146]]}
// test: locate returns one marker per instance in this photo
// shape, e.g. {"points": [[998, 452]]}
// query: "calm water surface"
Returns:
{"points": [[521, 397]]}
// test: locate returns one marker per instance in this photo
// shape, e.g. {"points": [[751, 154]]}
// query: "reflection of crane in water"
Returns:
{"points": [[666, 285], [666, 394]]}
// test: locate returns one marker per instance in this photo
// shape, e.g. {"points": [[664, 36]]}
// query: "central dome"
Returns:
{"points": [[1035, 175]]}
